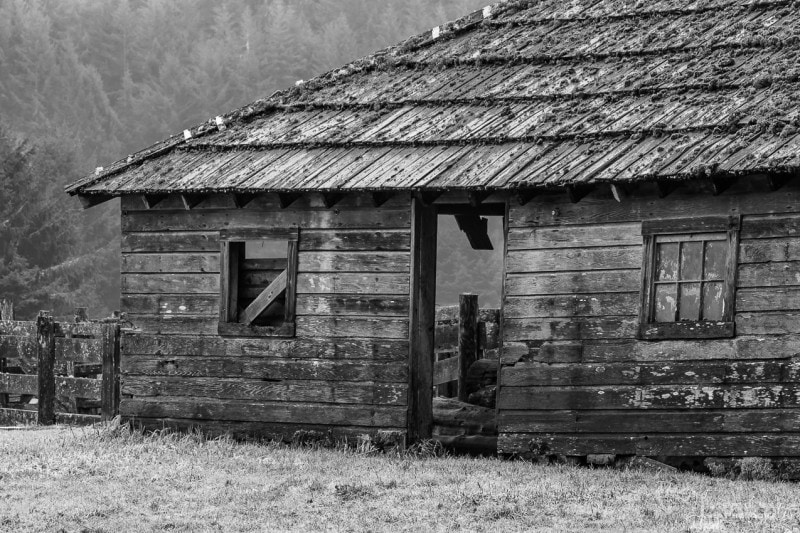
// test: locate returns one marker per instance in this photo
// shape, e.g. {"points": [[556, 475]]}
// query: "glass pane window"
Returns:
{"points": [[689, 277]]}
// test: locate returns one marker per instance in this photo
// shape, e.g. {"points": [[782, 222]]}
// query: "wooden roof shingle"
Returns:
{"points": [[541, 93]]}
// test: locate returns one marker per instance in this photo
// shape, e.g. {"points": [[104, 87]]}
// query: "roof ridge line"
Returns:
{"points": [[766, 4]]}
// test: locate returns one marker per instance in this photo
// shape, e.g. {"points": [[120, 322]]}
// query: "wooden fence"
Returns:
{"points": [[465, 334], [70, 368]]}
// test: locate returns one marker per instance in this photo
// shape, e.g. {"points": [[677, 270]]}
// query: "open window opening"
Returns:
{"points": [[258, 280]]}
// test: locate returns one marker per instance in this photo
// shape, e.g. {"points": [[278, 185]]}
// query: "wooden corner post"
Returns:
{"points": [[467, 340], [6, 313], [422, 319], [45, 335], [110, 390]]}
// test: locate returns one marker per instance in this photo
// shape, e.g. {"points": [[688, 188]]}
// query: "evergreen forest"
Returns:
{"points": [[85, 82]]}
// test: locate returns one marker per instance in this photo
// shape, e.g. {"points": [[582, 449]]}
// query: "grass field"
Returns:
{"points": [[94, 480]]}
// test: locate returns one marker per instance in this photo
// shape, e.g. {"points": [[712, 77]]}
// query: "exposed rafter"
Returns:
{"points": [[286, 199], [720, 185], [776, 181], [330, 199], [665, 188], [476, 198], [190, 201], [241, 200], [91, 200], [379, 198], [523, 196], [428, 197], [152, 200], [578, 192]]}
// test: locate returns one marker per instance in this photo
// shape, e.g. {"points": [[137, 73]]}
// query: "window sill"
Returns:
{"points": [[687, 330], [230, 329]]}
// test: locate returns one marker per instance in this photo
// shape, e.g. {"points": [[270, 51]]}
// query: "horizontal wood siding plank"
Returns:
{"points": [[248, 411], [651, 445], [170, 263], [775, 225], [257, 390], [768, 299], [572, 305], [651, 397], [601, 209], [79, 350], [172, 324], [378, 283], [347, 327], [573, 282], [774, 323], [769, 275], [171, 304], [19, 384], [335, 305], [627, 234], [769, 250], [354, 262], [215, 220], [575, 259], [310, 240], [263, 369], [170, 284], [679, 421], [517, 329], [307, 348], [671, 373]]}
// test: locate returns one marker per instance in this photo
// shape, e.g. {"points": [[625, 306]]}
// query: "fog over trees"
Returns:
{"points": [[86, 82]]}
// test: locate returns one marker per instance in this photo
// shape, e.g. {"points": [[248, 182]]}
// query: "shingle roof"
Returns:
{"points": [[523, 94]]}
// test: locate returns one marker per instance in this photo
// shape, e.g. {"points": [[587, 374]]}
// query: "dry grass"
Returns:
{"points": [[90, 480]]}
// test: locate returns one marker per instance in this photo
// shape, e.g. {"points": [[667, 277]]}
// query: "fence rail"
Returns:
{"points": [[464, 335], [71, 369]]}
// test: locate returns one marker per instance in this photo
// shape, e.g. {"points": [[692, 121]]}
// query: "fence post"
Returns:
{"points": [[6, 313], [45, 335], [110, 392], [467, 339], [6, 310]]}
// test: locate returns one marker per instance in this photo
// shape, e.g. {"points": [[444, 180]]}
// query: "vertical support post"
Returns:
{"points": [[291, 282], [45, 335], [110, 391], [467, 340], [6, 313], [6, 310], [422, 319]]}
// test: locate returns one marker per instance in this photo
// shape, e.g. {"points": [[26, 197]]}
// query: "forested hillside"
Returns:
{"points": [[86, 82]]}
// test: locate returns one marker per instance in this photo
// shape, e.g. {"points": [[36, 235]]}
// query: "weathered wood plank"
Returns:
{"points": [[46, 355], [664, 373], [651, 397], [768, 299], [19, 328], [769, 275], [575, 259], [346, 327], [170, 263], [31, 418], [263, 369], [446, 370], [19, 384], [771, 226], [311, 240], [744, 444], [307, 348], [18, 347], [69, 387], [78, 350], [517, 329], [279, 391], [172, 324], [573, 305], [248, 411], [352, 305], [600, 208], [769, 250], [774, 323], [355, 262], [349, 283], [626, 234], [680, 421], [778, 347], [212, 220], [170, 284], [573, 282], [188, 304]]}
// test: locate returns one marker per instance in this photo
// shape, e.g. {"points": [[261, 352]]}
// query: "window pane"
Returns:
{"points": [[667, 262], [716, 257], [690, 301], [691, 261], [666, 303], [713, 303]]}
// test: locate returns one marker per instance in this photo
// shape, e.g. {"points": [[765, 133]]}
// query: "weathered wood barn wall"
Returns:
{"points": [[577, 381], [608, 132], [346, 366]]}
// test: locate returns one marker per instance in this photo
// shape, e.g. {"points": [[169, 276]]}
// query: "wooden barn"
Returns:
{"points": [[278, 262]]}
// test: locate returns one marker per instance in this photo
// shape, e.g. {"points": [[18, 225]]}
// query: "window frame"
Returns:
{"points": [[229, 282], [689, 329]]}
